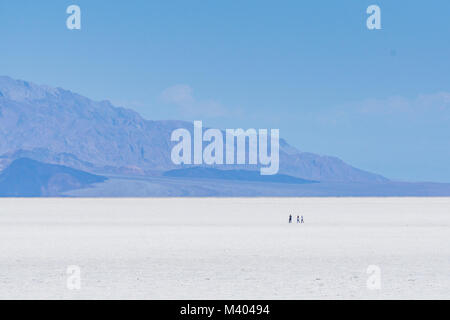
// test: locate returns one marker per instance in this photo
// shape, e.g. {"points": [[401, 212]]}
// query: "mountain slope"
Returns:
{"points": [[58, 126], [29, 178]]}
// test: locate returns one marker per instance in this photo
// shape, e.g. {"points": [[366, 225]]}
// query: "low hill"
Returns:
{"points": [[29, 178]]}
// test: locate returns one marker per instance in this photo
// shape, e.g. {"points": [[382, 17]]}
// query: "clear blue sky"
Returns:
{"points": [[379, 100]]}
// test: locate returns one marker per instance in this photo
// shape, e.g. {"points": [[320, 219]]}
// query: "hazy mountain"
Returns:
{"points": [[30, 178], [58, 126]]}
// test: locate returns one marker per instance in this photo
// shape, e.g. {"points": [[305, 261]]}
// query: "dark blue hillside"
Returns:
{"points": [[29, 178]]}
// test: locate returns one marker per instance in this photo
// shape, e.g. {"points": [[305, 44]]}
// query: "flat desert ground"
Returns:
{"points": [[215, 248]]}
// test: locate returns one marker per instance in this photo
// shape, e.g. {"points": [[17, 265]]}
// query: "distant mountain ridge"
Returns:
{"points": [[233, 175], [58, 126]]}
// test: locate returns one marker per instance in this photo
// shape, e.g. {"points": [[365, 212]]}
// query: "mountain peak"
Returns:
{"points": [[20, 90]]}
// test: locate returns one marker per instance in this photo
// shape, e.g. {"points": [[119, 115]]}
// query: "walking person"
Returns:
{"points": [[298, 219], [302, 220], [290, 218]]}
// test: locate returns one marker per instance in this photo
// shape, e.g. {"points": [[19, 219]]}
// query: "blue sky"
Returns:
{"points": [[378, 99]]}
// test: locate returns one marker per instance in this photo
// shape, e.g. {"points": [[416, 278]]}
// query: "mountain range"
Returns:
{"points": [[60, 127]]}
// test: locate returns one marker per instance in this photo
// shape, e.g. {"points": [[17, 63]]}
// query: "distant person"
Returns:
{"points": [[302, 220], [298, 219], [290, 218]]}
